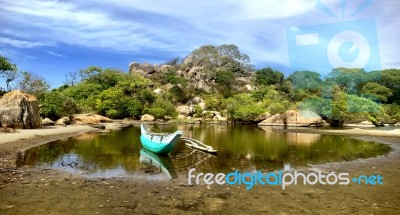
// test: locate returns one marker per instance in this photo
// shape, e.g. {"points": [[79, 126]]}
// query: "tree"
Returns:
{"points": [[243, 108], [89, 72], [161, 108], [347, 79], [225, 81], [8, 71], [55, 105], [376, 91], [33, 84], [268, 76], [305, 80], [227, 56], [337, 109]]}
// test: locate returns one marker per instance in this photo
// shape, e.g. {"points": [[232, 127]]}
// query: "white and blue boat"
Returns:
{"points": [[160, 143]]}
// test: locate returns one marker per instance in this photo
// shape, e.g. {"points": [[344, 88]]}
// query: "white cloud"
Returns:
{"points": [[54, 54], [22, 43], [258, 27]]}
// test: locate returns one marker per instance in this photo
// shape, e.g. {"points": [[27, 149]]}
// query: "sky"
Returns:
{"points": [[54, 37]]}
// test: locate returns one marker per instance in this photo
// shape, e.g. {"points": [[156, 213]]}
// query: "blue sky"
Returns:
{"points": [[54, 37]]}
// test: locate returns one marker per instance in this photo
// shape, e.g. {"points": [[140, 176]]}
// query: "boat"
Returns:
{"points": [[160, 143], [159, 164]]}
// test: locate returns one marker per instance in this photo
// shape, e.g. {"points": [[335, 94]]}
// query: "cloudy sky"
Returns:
{"points": [[54, 37]]}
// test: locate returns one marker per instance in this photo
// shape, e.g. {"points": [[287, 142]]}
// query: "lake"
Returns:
{"points": [[246, 148]]}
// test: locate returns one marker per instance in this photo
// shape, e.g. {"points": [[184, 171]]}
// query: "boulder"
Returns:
{"points": [[165, 68], [99, 126], [89, 119], [47, 122], [298, 118], [19, 110], [220, 118], [202, 105], [263, 116], [366, 123], [147, 118], [397, 124], [63, 121], [248, 87], [157, 91], [196, 100], [183, 110]]}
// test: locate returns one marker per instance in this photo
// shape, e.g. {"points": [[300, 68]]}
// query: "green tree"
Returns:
{"points": [[268, 76], [243, 108], [55, 105], [161, 108], [347, 79], [8, 71], [376, 91], [305, 80], [225, 56]]}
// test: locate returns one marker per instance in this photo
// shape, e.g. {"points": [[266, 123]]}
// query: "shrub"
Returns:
{"points": [[161, 108]]}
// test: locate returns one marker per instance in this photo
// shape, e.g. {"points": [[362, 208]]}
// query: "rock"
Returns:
{"points": [[102, 118], [89, 119], [99, 126], [298, 118], [7, 130], [196, 100], [366, 123], [167, 87], [134, 66], [63, 121], [397, 124], [167, 118], [243, 81], [263, 117], [19, 110], [248, 87], [47, 122], [147, 118], [165, 68], [181, 117], [157, 91], [183, 109], [219, 118], [202, 105], [147, 68]]}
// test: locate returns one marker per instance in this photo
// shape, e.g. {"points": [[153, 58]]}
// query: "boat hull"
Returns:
{"points": [[157, 143]]}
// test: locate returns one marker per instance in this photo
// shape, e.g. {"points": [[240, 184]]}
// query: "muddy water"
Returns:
{"points": [[119, 153]]}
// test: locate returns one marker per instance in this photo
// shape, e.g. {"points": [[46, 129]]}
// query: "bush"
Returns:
{"points": [[55, 105], [243, 108], [161, 108]]}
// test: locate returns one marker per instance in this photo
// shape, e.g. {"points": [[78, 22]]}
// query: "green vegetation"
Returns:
{"points": [[229, 85]]}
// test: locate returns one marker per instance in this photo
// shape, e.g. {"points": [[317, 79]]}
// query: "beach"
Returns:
{"points": [[39, 191]]}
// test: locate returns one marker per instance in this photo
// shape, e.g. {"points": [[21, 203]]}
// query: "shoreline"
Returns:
{"points": [[39, 191]]}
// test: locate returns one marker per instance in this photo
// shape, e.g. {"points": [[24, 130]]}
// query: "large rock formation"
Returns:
{"points": [[198, 76], [89, 119], [19, 110], [299, 118]]}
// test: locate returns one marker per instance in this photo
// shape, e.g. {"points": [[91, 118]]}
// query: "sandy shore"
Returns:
{"points": [[43, 191]]}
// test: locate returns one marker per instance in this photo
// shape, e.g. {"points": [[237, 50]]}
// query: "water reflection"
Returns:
{"points": [[119, 153]]}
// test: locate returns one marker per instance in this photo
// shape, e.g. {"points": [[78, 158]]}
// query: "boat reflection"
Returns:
{"points": [[154, 164]]}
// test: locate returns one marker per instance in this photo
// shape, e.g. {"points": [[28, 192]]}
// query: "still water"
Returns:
{"points": [[246, 148]]}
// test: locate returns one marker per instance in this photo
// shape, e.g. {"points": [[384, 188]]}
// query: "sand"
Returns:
{"points": [[47, 191]]}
